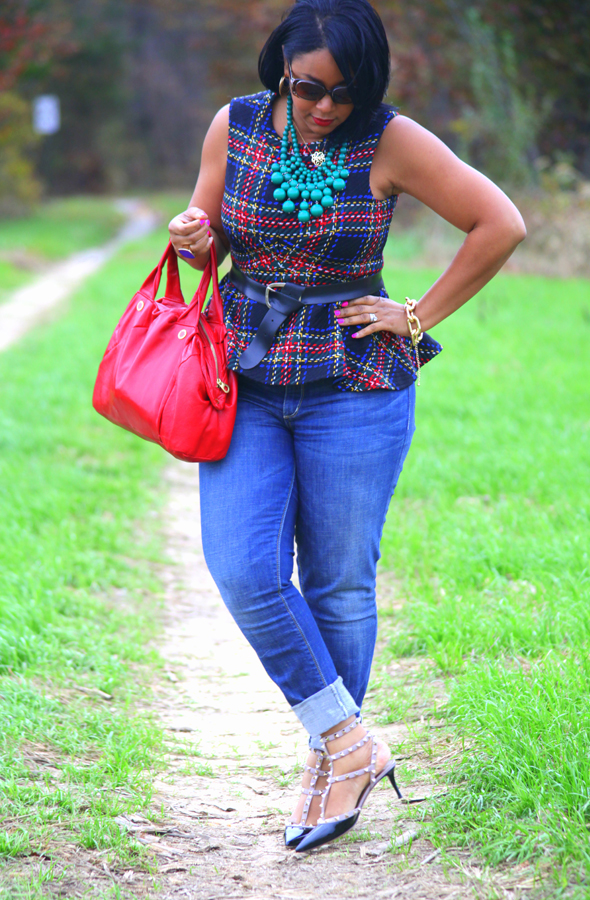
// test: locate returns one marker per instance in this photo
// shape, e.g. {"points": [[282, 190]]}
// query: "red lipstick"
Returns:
{"points": [[322, 122]]}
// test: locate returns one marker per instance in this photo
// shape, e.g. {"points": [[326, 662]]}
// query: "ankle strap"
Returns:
{"points": [[332, 737]]}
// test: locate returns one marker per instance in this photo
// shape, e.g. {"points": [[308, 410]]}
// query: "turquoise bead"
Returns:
{"points": [[279, 194], [327, 192], [316, 195], [288, 206], [304, 205], [305, 194], [316, 209], [329, 182], [276, 178], [344, 173], [275, 167], [293, 193], [327, 201], [303, 215], [339, 184]]}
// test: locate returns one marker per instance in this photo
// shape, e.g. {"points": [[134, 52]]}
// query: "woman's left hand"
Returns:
{"points": [[391, 316]]}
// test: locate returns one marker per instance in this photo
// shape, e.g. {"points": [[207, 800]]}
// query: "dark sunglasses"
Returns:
{"points": [[314, 91]]}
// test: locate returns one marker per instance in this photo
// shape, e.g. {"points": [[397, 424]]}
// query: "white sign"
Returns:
{"points": [[46, 115]]}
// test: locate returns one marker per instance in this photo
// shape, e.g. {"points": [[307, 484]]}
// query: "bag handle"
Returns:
{"points": [[210, 274], [174, 290], [152, 282]]}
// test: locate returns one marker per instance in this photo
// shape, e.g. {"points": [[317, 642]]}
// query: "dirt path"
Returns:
{"points": [[36, 302], [224, 809]]}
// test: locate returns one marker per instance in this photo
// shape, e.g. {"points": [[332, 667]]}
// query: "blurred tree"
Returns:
{"points": [[30, 42], [19, 188], [551, 39], [134, 97], [33, 33], [500, 81]]}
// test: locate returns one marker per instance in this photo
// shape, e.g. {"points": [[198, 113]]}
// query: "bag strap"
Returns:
{"points": [[174, 290], [152, 282], [210, 274]]}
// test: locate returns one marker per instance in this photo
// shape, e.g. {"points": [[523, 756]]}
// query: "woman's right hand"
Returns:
{"points": [[190, 230]]}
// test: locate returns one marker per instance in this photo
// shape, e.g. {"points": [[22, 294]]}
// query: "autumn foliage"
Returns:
{"points": [[504, 83]]}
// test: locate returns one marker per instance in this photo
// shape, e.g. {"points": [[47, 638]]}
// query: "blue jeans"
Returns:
{"points": [[315, 465]]}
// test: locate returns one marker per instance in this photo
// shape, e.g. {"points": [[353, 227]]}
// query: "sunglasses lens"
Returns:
{"points": [[307, 90], [341, 95]]}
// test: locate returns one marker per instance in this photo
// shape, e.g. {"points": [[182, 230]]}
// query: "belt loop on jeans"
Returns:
{"points": [[288, 298]]}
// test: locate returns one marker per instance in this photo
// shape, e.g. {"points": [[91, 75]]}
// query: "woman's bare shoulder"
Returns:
{"points": [[218, 130], [407, 150], [407, 137]]}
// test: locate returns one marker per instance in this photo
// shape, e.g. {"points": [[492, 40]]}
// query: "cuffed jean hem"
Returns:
{"points": [[326, 708]]}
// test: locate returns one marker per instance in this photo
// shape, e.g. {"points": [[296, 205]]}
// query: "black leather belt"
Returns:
{"points": [[284, 298]]}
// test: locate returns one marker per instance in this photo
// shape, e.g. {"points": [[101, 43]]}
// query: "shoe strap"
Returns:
{"points": [[340, 818], [310, 792], [351, 749], [332, 737], [368, 770]]}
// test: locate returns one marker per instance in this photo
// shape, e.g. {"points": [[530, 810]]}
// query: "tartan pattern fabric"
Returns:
{"points": [[344, 244]]}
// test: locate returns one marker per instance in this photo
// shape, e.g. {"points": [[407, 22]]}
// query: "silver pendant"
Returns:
{"points": [[318, 158]]}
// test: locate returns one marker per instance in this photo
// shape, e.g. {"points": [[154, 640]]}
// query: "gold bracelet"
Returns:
{"points": [[415, 329]]}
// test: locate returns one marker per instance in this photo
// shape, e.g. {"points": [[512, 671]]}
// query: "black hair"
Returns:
{"points": [[353, 33]]}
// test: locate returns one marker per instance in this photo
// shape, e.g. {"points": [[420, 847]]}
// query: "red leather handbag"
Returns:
{"points": [[164, 373]]}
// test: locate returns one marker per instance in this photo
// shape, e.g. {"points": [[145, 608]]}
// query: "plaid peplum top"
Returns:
{"points": [[344, 244]]}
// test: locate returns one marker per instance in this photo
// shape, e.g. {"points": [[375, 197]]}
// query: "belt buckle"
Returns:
{"points": [[271, 287]]}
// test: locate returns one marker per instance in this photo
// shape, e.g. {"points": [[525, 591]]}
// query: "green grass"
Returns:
{"points": [[79, 521], [488, 541], [58, 228], [61, 226]]}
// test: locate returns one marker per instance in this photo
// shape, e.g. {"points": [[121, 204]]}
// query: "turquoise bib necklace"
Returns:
{"points": [[312, 188]]}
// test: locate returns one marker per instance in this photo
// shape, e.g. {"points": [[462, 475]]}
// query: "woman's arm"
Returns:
{"points": [[412, 160], [201, 224]]}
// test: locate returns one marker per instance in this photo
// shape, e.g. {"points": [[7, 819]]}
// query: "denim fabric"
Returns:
{"points": [[317, 465]]}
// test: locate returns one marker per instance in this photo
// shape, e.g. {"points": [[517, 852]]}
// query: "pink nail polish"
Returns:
{"points": [[208, 222], [355, 335], [345, 303]]}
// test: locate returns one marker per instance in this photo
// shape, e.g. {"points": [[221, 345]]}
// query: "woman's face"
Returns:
{"points": [[319, 117]]}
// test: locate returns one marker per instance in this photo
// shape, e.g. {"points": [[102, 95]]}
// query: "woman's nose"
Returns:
{"points": [[325, 105]]}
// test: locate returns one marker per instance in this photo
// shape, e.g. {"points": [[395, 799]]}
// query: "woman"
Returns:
{"points": [[299, 183]]}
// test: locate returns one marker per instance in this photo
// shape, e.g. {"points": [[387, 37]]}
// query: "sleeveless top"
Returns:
{"points": [[344, 244]]}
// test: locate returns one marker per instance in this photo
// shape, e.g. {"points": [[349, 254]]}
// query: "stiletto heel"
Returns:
{"points": [[328, 829], [391, 777]]}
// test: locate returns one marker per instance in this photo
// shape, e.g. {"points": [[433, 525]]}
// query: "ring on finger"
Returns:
{"points": [[373, 317]]}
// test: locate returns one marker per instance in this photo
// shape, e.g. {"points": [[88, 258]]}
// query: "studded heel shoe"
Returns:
{"points": [[294, 833], [328, 829]]}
